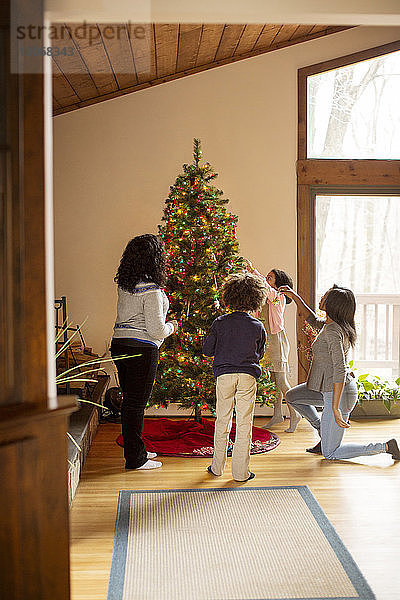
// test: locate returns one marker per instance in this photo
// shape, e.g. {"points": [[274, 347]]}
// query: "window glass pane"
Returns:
{"points": [[354, 111], [357, 245]]}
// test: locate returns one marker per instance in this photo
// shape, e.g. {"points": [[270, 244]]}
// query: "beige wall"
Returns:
{"points": [[114, 163]]}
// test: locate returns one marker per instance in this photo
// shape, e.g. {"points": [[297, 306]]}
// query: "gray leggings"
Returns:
{"points": [[305, 401]]}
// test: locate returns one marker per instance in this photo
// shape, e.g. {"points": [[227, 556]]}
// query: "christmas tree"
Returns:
{"points": [[201, 251]]}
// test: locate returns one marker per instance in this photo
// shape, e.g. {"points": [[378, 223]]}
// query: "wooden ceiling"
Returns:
{"points": [[93, 63]]}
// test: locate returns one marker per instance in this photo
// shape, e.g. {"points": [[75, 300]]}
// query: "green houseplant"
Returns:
{"points": [[376, 396]]}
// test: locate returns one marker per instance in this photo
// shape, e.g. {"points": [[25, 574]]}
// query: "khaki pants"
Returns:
{"points": [[239, 390]]}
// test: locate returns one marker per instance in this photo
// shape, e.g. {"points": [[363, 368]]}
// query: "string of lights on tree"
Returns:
{"points": [[201, 248]]}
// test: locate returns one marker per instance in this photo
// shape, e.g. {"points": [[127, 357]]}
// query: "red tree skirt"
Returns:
{"points": [[188, 438]]}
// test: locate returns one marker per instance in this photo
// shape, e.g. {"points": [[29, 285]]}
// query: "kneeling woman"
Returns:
{"points": [[330, 383], [139, 331]]}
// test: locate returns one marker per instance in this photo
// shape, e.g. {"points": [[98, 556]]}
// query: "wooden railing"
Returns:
{"points": [[378, 325]]}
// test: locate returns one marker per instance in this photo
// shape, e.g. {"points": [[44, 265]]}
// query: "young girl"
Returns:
{"points": [[278, 345]]}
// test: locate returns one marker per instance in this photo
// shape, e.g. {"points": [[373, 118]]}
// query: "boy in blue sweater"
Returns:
{"points": [[237, 342]]}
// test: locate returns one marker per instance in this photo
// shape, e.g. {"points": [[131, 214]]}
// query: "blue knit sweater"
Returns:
{"points": [[237, 343]]}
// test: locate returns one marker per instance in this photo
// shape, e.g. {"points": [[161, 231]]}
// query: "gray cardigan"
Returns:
{"points": [[141, 314], [329, 363]]}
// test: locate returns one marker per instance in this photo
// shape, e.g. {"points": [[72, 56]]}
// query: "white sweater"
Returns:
{"points": [[141, 314]]}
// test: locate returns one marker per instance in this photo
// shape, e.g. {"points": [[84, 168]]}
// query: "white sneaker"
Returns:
{"points": [[152, 455], [150, 464]]}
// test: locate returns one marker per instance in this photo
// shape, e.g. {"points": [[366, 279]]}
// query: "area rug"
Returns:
{"points": [[189, 438], [260, 543]]}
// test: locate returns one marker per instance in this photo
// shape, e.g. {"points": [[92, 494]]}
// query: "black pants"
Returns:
{"points": [[136, 378]]}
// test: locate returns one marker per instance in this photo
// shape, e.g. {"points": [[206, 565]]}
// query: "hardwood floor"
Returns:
{"points": [[360, 496]]}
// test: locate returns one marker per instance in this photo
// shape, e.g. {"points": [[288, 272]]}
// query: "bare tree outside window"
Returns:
{"points": [[358, 243], [358, 246], [354, 113]]}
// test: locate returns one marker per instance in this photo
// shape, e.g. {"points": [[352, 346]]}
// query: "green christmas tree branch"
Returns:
{"points": [[202, 249]]}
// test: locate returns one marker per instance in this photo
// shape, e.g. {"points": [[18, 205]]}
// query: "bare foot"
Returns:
{"points": [[275, 420], [294, 421]]}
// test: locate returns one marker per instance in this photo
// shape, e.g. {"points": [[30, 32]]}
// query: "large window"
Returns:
{"points": [[348, 202], [357, 245], [354, 111], [357, 242]]}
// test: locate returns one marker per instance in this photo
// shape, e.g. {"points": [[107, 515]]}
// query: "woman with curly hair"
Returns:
{"points": [[139, 331]]}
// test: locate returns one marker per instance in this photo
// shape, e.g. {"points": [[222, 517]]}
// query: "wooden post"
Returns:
{"points": [[34, 536]]}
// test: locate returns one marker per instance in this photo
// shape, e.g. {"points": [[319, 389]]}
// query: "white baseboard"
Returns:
{"points": [[173, 410]]}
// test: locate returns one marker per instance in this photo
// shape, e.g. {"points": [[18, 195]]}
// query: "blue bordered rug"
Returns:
{"points": [[247, 543]]}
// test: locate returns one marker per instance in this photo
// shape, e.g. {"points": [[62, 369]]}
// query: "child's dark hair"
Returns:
{"points": [[282, 278], [340, 306], [244, 292]]}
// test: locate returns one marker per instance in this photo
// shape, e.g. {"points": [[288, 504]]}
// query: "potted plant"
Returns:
{"points": [[377, 397]]}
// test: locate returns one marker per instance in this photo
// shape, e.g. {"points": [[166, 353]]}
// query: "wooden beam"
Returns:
{"points": [[348, 172], [302, 31], [209, 43], [302, 116], [119, 52], [248, 39], [166, 37], [72, 65], [285, 33], [55, 102], [94, 56], [189, 42], [349, 59], [267, 37], [62, 89], [305, 271], [143, 49], [229, 40], [34, 527]]}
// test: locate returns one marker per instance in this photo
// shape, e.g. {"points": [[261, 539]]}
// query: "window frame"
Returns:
{"points": [[335, 175]]}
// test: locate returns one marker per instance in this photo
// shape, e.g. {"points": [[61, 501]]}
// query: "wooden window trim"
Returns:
{"points": [[329, 173]]}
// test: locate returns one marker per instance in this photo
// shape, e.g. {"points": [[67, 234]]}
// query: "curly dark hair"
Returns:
{"points": [[282, 278], [142, 260], [244, 292]]}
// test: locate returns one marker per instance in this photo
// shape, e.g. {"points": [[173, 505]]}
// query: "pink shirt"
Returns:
{"points": [[276, 304]]}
